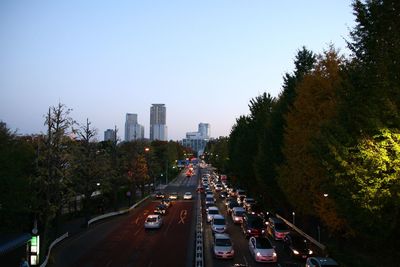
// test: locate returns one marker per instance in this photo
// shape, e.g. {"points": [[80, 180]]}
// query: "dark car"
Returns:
{"points": [[253, 225], [159, 195], [160, 209], [231, 205], [297, 245], [277, 228], [223, 194], [167, 202]]}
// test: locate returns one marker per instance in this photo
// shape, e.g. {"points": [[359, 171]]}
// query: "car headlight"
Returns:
{"points": [[274, 254], [295, 252], [249, 231], [258, 254], [310, 252]]}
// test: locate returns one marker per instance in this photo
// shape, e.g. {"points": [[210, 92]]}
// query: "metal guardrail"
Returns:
{"points": [[312, 240], [199, 257], [51, 246], [115, 213]]}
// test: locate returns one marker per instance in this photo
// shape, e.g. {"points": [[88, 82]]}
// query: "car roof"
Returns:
{"points": [[153, 216], [188, 193], [326, 261], [219, 216], [238, 209], [222, 236], [213, 208]]}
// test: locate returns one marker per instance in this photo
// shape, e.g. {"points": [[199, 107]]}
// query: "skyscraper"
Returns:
{"points": [[133, 130], [158, 127], [204, 130], [109, 135]]}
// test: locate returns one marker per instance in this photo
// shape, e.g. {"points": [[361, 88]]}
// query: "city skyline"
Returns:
{"points": [[204, 60]]}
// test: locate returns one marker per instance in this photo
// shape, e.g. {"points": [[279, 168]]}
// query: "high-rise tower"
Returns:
{"points": [[158, 127], [133, 130]]}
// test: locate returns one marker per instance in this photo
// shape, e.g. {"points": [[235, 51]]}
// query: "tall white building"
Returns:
{"points": [[158, 118], [133, 130], [204, 130]]}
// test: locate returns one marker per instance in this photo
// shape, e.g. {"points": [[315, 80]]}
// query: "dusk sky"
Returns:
{"points": [[205, 60]]}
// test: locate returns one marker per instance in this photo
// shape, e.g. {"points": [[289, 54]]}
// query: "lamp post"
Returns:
{"points": [[293, 217]]}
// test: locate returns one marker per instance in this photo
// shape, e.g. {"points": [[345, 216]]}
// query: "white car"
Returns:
{"points": [[187, 195], [321, 262], [222, 246], [237, 214], [153, 221], [262, 250], [211, 211], [173, 196], [218, 224]]}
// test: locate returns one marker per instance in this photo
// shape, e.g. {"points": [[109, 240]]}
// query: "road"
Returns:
{"points": [[240, 245], [123, 241]]}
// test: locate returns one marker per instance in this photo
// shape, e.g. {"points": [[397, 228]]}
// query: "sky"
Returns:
{"points": [[205, 60]]}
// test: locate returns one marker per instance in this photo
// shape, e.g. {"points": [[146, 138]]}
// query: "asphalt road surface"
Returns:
{"points": [[123, 241]]}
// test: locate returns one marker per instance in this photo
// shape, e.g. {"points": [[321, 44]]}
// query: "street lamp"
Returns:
{"points": [[293, 215]]}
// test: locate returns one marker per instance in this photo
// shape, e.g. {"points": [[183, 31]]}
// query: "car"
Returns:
{"points": [[248, 202], [187, 195], [167, 202], [222, 247], [237, 215], [262, 250], [173, 196], [159, 195], [297, 245], [211, 211], [160, 209], [223, 194], [253, 226], [210, 200], [218, 224], [240, 199], [218, 187], [277, 228], [153, 221], [321, 262], [231, 205], [200, 189]]}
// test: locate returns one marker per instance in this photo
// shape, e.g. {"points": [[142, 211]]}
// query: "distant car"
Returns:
{"points": [[173, 196], [159, 195], [231, 205], [211, 211], [210, 200], [321, 262], [222, 246], [277, 228], [223, 194], [166, 202], [153, 221], [218, 224], [187, 195], [262, 250], [253, 225], [200, 189], [297, 245], [160, 209], [248, 202], [237, 215]]}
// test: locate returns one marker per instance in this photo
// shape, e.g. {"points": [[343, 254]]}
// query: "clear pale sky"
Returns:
{"points": [[203, 59]]}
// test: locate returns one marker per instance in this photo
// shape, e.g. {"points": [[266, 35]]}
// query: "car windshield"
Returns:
{"points": [[219, 221], [213, 212], [209, 199], [263, 243], [281, 227], [256, 223], [249, 201], [223, 242], [239, 213], [151, 219]]}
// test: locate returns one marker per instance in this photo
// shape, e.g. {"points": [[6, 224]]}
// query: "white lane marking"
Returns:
{"points": [[137, 232]]}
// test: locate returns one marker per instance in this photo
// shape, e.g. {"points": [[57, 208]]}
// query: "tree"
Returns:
{"points": [[301, 175], [17, 158], [51, 182]]}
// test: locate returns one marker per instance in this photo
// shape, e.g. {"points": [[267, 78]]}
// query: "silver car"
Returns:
{"points": [[237, 215], [218, 224], [211, 211], [262, 250], [153, 221], [222, 246]]}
